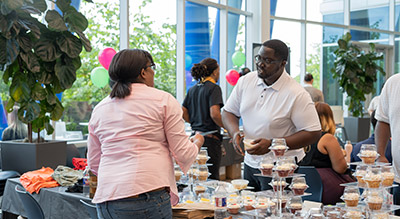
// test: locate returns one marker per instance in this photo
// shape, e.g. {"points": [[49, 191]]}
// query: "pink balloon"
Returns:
{"points": [[105, 57], [232, 76]]}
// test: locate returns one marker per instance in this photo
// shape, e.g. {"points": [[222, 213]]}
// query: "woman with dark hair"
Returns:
{"points": [[327, 156], [134, 135], [202, 109]]}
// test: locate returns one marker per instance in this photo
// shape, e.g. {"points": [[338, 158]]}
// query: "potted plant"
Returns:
{"points": [[39, 60], [356, 71]]}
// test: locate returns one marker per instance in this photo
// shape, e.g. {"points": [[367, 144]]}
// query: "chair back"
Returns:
{"points": [[314, 182], [4, 175], [31, 206], [91, 209]]}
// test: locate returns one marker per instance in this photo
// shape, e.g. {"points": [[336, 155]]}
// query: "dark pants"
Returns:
{"points": [[259, 183], [214, 151], [396, 197]]}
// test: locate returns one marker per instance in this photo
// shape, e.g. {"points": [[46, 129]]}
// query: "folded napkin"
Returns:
{"points": [[66, 176]]}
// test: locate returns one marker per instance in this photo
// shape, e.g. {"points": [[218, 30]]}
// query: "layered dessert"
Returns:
{"points": [[199, 189], [299, 188], [266, 169], [233, 208], [295, 207], [360, 177], [351, 199], [248, 204], [178, 175], [283, 169], [279, 150], [294, 166], [353, 215], [278, 185], [202, 175]]}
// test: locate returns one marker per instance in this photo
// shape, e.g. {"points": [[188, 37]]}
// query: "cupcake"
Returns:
{"points": [[353, 215], [368, 156], [388, 178], [279, 150], [283, 169], [299, 188], [202, 159], [295, 207], [374, 202], [261, 205], [373, 180], [248, 204], [294, 167], [360, 177], [351, 199], [266, 169], [233, 208], [202, 175], [178, 175]]}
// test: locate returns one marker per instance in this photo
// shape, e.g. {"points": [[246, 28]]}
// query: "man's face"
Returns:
{"points": [[268, 65]]}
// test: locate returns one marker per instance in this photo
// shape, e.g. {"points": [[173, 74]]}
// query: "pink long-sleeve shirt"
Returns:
{"points": [[132, 142]]}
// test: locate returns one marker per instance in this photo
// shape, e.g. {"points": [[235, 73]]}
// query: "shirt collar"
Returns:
{"points": [[278, 83], [307, 85]]}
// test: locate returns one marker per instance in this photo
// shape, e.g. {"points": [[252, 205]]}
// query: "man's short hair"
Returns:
{"points": [[280, 48], [308, 77]]}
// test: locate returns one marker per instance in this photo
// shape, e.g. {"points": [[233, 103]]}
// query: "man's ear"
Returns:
{"points": [[284, 63]]}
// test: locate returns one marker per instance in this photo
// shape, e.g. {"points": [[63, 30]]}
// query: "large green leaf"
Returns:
{"points": [[69, 44], [13, 4], [31, 61], [57, 111], [39, 92], [46, 50], [76, 20], [3, 24], [51, 97], [65, 73], [40, 4], [19, 90], [49, 128], [25, 43], [5, 10], [12, 50], [85, 41], [55, 21], [76, 62], [10, 105], [63, 5], [3, 53]]}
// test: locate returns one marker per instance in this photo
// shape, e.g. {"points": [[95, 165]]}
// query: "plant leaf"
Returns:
{"points": [[31, 61], [55, 21], [24, 43], [65, 73], [40, 4], [57, 111], [3, 53], [46, 50], [12, 50], [14, 4], [19, 90], [85, 41], [51, 97], [38, 92], [69, 44], [63, 5], [49, 128], [76, 20]]}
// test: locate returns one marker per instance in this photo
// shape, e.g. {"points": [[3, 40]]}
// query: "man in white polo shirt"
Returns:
{"points": [[271, 105], [388, 117]]}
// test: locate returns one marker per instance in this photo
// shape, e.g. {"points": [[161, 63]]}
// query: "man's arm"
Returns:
{"points": [[185, 114], [215, 114], [231, 124], [382, 135]]}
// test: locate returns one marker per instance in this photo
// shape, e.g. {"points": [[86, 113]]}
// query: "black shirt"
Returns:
{"points": [[198, 101], [315, 158]]}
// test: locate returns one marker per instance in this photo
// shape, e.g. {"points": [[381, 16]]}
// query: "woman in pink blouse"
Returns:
{"points": [[134, 135]]}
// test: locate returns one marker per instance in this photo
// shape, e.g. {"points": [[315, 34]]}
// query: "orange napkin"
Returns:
{"points": [[33, 181]]}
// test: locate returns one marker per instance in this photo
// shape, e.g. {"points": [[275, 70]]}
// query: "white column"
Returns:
{"points": [[265, 23], [124, 24], [303, 39], [180, 50], [223, 49], [253, 33]]}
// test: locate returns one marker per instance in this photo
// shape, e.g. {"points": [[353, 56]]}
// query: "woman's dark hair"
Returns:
{"points": [[308, 77], [204, 69], [125, 69], [280, 48]]}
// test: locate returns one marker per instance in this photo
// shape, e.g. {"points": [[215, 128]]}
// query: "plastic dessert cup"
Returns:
{"points": [[247, 143], [240, 184], [299, 188], [266, 169], [233, 208], [295, 207], [279, 150]]}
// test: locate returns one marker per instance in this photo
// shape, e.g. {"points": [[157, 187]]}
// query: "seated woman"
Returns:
{"points": [[327, 156]]}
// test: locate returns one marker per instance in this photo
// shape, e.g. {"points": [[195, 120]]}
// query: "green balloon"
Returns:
{"points": [[238, 58], [99, 77]]}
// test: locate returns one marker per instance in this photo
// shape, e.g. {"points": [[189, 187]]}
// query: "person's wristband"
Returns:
{"points": [[238, 133]]}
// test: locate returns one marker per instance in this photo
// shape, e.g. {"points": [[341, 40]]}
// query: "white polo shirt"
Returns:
{"points": [[388, 111], [279, 110]]}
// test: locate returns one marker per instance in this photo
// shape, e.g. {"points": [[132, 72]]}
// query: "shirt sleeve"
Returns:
{"points": [[182, 149], [382, 111], [94, 151], [216, 97], [233, 103], [304, 115]]}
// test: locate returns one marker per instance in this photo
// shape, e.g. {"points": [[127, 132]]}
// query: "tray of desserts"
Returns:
{"points": [[275, 175], [365, 186]]}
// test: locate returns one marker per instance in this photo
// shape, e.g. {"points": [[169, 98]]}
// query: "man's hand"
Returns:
{"points": [[383, 159], [236, 139], [260, 147]]}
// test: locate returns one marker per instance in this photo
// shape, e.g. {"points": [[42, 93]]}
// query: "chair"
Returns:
{"points": [[31, 206], [4, 175], [91, 209], [314, 182]]}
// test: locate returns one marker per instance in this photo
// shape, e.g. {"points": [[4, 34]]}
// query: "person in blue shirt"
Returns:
{"points": [[371, 140]]}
